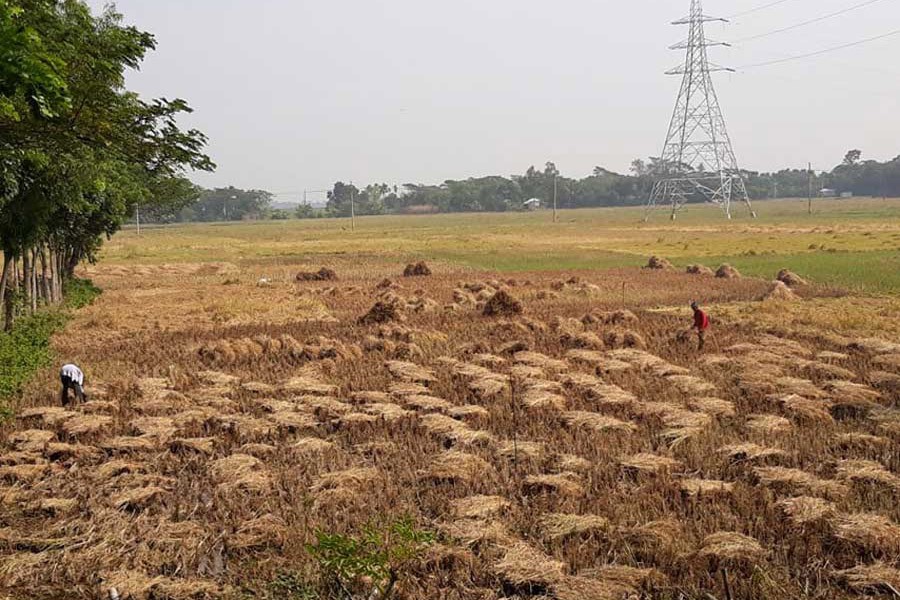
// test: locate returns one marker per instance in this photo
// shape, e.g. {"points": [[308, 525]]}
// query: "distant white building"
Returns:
{"points": [[532, 204], [828, 193]]}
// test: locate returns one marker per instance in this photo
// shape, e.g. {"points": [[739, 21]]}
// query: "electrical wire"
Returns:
{"points": [[758, 8], [819, 52], [805, 23]]}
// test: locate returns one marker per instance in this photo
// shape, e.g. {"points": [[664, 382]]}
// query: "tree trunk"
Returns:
{"points": [[9, 307], [45, 281], [33, 280], [3, 279]]}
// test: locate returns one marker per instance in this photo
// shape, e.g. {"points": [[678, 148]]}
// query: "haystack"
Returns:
{"points": [[419, 269], [502, 304], [624, 339], [323, 274], [790, 278], [382, 311], [726, 271], [780, 291], [700, 270], [659, 264]]}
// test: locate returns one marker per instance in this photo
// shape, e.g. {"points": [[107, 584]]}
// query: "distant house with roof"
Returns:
{"points": [[532, 204]]}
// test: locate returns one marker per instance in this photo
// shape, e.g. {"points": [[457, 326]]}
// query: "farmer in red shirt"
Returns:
{"points": [[701, 324]]}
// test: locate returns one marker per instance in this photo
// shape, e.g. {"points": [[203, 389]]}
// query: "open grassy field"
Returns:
{"points": [[528, 421], [851, 243]]}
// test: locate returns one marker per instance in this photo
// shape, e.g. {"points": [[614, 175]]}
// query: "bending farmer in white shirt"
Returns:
{"points": [[71, 377]]}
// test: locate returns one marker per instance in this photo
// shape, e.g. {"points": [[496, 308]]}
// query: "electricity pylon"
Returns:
{"points": [[697, 160]]}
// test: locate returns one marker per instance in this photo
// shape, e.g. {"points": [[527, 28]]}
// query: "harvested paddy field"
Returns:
{"points": [[542, 434]]}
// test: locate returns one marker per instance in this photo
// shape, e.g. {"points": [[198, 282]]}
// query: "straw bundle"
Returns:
{"points": [[472, 507], [706, 487], [870, 531], [649, 463], [564, 484], [556, 526], [524, 567], [875, 578], [597, 422], [804, 510], [455, 466], [795, 480], [730, 546]]}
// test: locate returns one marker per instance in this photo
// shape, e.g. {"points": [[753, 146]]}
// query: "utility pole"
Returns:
{"points": [[775, 190], [555, 217], [137, 217], [352, 209], [809, 191]]}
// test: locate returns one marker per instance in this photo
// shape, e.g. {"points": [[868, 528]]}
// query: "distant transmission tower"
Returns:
{"points": [[698, 160]]}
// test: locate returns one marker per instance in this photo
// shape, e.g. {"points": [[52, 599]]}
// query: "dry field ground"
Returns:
{"points": [[578, 450]]}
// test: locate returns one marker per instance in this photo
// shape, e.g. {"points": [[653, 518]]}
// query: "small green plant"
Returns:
{"points": [[368, 566], [80, 293], [291, 586]]}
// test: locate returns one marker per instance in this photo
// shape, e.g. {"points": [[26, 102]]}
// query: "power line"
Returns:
{"points": [[805, 23], [820, 52], [758, 8]]}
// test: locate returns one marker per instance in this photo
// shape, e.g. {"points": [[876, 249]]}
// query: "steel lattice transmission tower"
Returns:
{"points": [[697, 159]]}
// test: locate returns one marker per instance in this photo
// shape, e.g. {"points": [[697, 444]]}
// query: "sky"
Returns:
{"points": [[297, 94]]}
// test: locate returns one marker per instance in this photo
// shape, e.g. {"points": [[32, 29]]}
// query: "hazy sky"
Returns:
{"points": [[296, 94]]}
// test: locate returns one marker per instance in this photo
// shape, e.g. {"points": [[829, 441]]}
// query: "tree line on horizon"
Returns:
{"points": [[500, 194]]}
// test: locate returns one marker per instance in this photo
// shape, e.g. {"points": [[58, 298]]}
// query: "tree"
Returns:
{"points": [[78, 151], [852, 158], [339, 199]]}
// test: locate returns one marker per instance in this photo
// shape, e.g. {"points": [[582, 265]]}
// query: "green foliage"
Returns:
{"points": [[78, 151], [80, 293], [370, 561], [227, 204], [26, 348], [291, 586]]}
